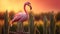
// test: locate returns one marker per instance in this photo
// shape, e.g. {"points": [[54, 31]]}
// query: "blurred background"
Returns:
{"points": [[39, 9]]}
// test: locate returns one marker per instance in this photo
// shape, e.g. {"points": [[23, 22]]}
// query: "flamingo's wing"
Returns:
{"points": [[16, 18], [23, 17]]}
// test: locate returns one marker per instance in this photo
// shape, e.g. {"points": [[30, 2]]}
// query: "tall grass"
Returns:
{"points": [[52, 24], [43, 29], [31, 23], [6, 23]]}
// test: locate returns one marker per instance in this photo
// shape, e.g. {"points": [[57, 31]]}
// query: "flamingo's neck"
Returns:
{"points": [[25, 9]]}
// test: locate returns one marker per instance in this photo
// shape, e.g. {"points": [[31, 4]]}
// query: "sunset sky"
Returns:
{"points": [[37, 5]]}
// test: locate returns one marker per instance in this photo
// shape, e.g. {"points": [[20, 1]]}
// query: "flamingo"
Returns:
{"points": [[22, 16]]}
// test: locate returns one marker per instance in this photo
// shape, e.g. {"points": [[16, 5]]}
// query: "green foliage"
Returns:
{"points": [[11, 14], [13, 28], [58, 17], [40, 28], [57, 29], [26, 28]]}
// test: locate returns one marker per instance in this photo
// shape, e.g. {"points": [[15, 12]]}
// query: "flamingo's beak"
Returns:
{"points": [[30, 6], [11, 25], [12, 21]]}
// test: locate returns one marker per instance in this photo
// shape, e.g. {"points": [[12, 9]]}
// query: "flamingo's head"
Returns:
{"points": [[29, 4]]}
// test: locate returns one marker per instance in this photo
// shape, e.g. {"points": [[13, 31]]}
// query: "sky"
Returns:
{"points": [[38, 6]]}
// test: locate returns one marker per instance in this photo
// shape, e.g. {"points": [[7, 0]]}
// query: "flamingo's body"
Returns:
{"points": [[22, 16]]}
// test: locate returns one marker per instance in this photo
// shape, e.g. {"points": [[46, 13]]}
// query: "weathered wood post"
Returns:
{"points": [[45, 25], [52, 24], [6, 23], [31, 21]]}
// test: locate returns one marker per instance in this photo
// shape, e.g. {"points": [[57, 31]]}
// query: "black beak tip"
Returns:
{"points": [[30, 8]]}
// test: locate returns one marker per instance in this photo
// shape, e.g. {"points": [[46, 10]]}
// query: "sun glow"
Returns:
{"points": [[15, 5], [37, 5]]}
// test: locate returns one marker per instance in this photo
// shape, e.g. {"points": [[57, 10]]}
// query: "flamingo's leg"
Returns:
{"points": [[19, 27], [22, 27]]}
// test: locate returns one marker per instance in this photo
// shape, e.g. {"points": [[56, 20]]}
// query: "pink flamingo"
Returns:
{"points": [[22, 16]]}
